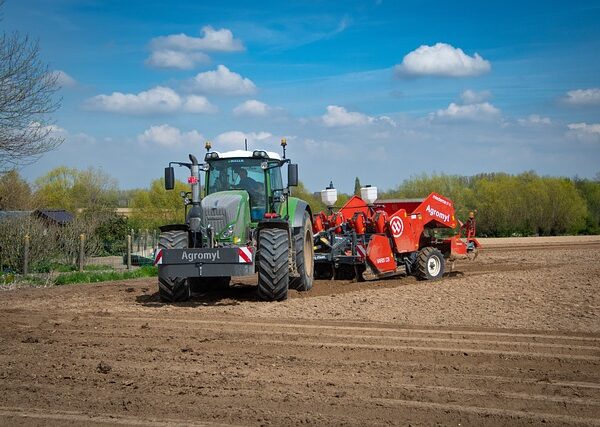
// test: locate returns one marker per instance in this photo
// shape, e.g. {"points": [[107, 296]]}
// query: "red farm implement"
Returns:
{"points": [[388, 237]]}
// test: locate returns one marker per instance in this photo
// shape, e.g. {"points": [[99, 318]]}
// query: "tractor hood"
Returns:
{"points": [[228, 213]]}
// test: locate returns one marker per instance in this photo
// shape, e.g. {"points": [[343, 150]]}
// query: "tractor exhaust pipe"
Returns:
{"points": [[195, 180]]}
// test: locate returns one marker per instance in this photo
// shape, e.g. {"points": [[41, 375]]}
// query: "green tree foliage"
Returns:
{"points": [[357, 186], [156, 206], [15, 192], [590, 191], [70, 189], [312, 199], [524, 204]]}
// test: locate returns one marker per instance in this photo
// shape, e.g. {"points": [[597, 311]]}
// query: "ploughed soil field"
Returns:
{"points": [[512, 338]]}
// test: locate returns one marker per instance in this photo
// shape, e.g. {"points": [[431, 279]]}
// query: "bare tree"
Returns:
{"points": [[27, 98]]}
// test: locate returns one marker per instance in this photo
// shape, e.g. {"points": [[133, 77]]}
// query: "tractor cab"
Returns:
{"points": [[256, 172]]}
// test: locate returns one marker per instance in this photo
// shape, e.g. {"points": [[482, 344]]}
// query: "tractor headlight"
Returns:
{"points": [[228, 232], [260, 154]]}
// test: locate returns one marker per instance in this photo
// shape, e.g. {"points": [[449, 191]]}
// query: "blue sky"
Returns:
{"points": [[383, 90]]}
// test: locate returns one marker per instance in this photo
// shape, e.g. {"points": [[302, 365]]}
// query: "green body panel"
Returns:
{"points": [[292, 205], [242, 219]]}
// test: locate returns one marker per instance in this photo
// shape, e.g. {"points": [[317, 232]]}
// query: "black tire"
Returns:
{"points": [[173, 289], [429, 264], [273, 268], [305, 257]]}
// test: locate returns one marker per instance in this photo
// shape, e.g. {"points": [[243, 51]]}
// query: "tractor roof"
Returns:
{"points": [[244, 153]]}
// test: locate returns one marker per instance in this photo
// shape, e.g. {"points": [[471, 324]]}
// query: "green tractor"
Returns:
{"points": [[246, 223]]}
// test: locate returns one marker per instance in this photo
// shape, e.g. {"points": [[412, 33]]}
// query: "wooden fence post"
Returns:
{"points": [[129, 252], [26, 255], [145, 241], [81, 250]]}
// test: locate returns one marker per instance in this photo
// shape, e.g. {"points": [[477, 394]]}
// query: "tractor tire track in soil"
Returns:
{"points": [[112, 354]]}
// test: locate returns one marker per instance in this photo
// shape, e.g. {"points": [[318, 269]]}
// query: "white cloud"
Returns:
{"points": [[222, 81], [184, 52], [339, 116], [583, 97], [482, 111], [64, 80], [212, 40], [388, 120], [535, 120], [153, 101], [252, 107], [167, 58], [169, 136], [198, 104], [235, 139], [471, 97], [441, 60], [587, 132]]}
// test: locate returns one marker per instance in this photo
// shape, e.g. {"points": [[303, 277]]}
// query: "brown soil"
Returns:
{"points": [[510, 339]]}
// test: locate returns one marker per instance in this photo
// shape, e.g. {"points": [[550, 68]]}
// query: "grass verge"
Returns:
{"points": [[104, 276]]}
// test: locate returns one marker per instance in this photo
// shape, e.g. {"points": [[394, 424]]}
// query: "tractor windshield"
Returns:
{"points": [[242, 174]]}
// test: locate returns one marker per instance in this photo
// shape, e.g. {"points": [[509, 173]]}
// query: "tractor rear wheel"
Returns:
{"points": [[429, 264], [173, 289], [273, 268], [305, 257]]}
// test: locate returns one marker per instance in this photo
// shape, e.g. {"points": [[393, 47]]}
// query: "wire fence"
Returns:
{"points": [[29, 247]]}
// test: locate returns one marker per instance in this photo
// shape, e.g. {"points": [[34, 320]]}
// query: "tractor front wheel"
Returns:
{"points": [[173, 289], [429, 264], [273, 269]]}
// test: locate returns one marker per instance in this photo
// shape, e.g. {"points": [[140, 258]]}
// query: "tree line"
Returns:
{"points": [[506, 205]]}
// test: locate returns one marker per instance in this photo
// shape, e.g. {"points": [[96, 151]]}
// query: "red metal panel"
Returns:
{"points": [[355, 204], [379, 254], [437, 208]]}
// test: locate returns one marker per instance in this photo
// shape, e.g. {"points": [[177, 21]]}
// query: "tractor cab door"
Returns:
{"points": [[275, 189]]}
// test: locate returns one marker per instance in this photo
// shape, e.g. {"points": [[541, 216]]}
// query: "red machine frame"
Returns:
{"points": [[418, 235]]}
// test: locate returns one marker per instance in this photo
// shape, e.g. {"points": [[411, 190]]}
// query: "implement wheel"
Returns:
{"points": [[273, 268], [430, 264], [173, 289], [305, 254]]}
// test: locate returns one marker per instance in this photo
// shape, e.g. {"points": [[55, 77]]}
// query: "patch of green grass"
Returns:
{"points": [[104, 276], [48, 266], [98, 267]]}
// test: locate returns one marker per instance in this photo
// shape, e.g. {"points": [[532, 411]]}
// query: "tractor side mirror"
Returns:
{"points": [[169, 178], [292, 175]]}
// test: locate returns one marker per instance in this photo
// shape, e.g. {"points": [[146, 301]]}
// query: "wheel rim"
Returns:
{"points": [[308, 254], [434, 265]]}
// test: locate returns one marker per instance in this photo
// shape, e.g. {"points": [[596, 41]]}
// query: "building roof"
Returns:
{"points": [[58, 216]]}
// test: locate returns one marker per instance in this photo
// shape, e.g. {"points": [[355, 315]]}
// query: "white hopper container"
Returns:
{"points": [[329, 196], [368, 194]]}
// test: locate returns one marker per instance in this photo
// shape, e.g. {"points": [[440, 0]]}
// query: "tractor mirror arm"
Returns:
{"points": [[187, 165]]}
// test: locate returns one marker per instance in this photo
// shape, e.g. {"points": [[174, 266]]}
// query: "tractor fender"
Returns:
{"points": [[298, 220]]}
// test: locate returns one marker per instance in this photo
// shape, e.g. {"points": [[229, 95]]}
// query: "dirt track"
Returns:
{"points": [[511, 339]]}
